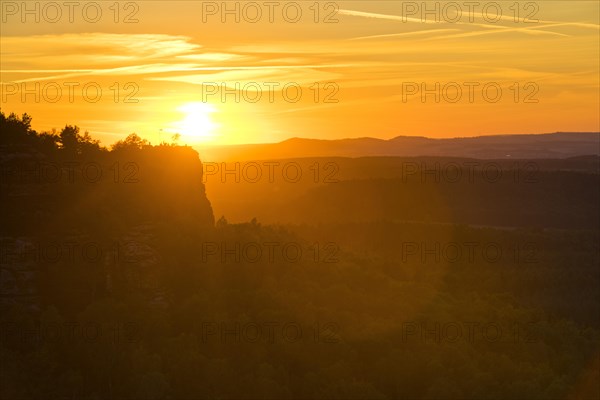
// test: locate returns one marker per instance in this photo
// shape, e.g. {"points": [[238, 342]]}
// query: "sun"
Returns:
{"points": [[197, 124]]}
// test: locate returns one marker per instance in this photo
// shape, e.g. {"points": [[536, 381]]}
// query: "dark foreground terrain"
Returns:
{"points": [[363, 278]]}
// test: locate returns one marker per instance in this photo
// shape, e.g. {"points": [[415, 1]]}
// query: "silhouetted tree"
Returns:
{"points": [[68, 139], [15, 130], [131, 142], [222, 222]]}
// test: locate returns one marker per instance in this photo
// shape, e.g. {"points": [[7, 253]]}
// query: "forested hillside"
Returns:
{"points": [[121, 285]]}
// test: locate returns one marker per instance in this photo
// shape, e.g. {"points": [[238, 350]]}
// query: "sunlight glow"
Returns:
{"points": [[197, 125]]}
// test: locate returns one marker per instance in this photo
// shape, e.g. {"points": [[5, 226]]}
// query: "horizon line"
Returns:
{"points": [[208, 144]]}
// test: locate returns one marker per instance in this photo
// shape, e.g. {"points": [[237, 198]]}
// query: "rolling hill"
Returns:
{"points": [[529, 146]]}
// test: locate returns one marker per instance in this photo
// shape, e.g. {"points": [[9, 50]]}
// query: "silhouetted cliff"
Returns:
{"points": [[74, 212], [118, 189]]}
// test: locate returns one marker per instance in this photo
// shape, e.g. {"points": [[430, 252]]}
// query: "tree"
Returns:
{"points": [[68, 138], [222, 222], [131, 142], [75, 144], [87, 144], [15, 130]]}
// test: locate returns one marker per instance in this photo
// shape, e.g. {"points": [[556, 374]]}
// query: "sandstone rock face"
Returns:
{"points": [[96, 218]]}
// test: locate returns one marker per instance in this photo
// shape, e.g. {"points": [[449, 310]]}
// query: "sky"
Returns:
{"points": [[254, 72]]}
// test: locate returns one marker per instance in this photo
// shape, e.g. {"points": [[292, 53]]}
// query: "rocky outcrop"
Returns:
{"points": [[95, 217]]}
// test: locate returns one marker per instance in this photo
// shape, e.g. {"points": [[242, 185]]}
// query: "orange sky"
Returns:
{"points": [[360, 74]]}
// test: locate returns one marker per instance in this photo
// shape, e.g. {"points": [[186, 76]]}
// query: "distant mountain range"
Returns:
{"points": [[528, 146]]}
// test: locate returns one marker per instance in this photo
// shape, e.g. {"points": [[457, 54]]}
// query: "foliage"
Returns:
{"points": [[170, 309]]}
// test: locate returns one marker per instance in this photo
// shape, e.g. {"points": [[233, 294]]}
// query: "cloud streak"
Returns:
{"points": [[490, 28]]}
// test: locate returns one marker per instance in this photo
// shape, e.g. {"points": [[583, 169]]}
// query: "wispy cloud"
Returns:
{"points": [[56, 57], [538, 28], [405, 34]]}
